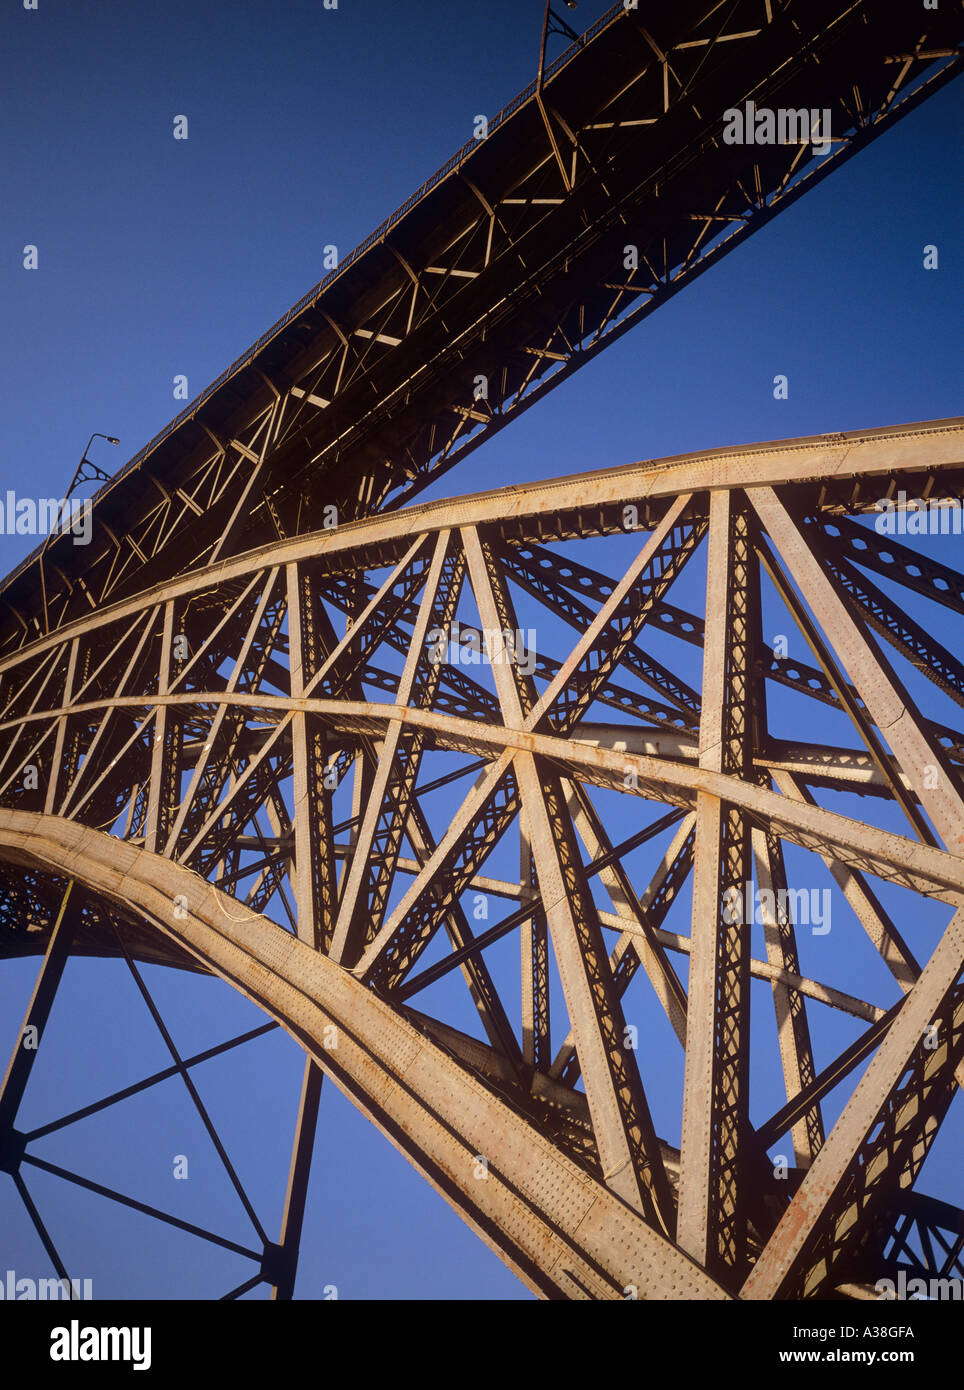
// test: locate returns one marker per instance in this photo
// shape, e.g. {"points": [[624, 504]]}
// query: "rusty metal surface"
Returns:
{"points": [[564, 1233], [317, 659], [222, 723]]}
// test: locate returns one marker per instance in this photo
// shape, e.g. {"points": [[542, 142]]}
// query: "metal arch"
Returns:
{"points": [[563, 1234], [129, 720], [510, 262], [912, 457]]}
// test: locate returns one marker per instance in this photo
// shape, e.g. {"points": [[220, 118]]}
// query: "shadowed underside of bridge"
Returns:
{"points": [[305, 757], [498, 279], [299, 769]]}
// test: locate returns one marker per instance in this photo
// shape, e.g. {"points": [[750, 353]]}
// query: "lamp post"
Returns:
{"points": [[95, 472], [552, 24], [79, 477]]}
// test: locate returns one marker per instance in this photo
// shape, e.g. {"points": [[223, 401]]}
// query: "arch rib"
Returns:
{"points": [[562, 1233]]}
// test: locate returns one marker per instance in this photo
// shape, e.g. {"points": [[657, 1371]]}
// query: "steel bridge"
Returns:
{"points": [[224, 722]]}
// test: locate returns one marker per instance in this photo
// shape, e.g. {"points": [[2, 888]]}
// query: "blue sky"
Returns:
{"points": [[160, 257]]}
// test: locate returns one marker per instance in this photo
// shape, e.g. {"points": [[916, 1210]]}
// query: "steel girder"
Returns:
{"points": [[189, 742], [561, 1231], [497, 279]]}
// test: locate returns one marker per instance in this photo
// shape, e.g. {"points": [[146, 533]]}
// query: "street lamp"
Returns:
{"points": [[95, 473], [80, 476], [553, 24]]}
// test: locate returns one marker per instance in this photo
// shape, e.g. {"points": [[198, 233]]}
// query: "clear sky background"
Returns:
{"points": [[160, 257]]}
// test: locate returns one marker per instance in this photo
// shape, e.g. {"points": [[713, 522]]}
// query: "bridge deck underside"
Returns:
{"points": [[497, 281]]}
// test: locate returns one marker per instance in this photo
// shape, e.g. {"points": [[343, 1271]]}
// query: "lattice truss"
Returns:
{"points": [[532, 796], [501, 277]]}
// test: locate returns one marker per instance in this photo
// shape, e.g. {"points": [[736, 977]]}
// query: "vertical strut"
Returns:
{"points": [[712, 1213], [534, 939]]}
